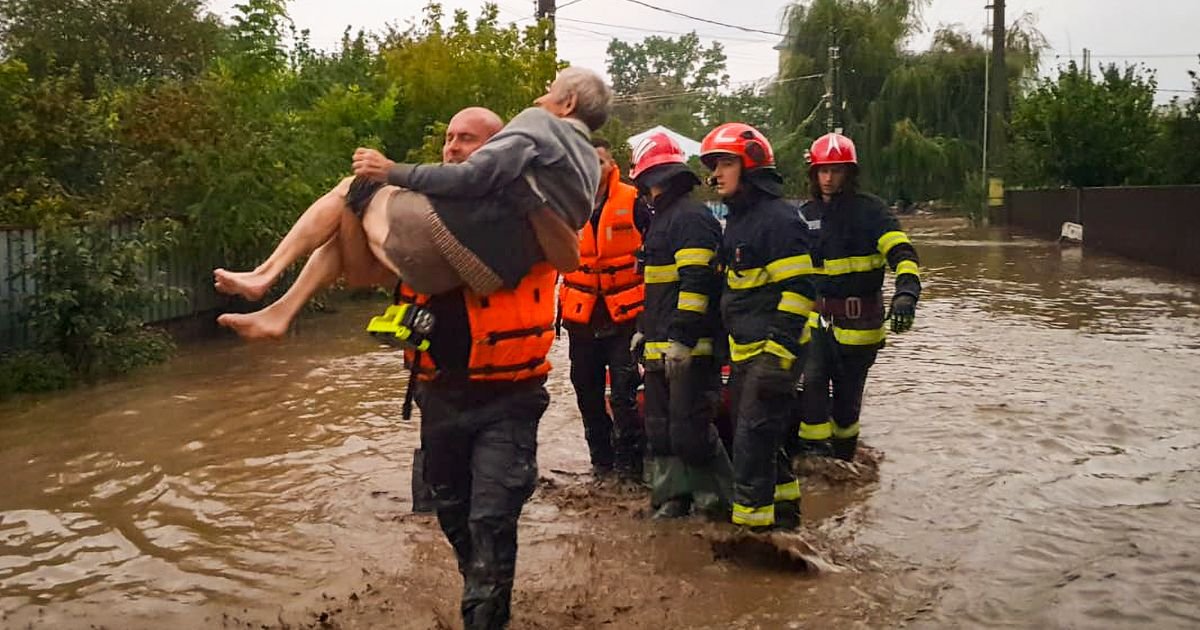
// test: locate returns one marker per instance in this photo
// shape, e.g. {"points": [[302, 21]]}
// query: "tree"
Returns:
{"points": [[1079, 131], [667, 81], [1175, 159], [122, 41]]}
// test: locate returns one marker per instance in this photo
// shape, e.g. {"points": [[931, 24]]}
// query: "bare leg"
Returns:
{"points": [[272, 322], [359, 263], [318, 224]]}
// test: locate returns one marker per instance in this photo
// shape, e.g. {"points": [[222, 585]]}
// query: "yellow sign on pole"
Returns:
{"points": [[995, 192]]}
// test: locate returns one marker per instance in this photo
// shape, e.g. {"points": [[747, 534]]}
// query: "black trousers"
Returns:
{"points": [[680, 413], [480, 457], [835, 377], [762, 472], [615, 440]]}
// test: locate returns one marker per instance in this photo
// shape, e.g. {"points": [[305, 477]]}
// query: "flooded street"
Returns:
{"points": [[1040, 431]]}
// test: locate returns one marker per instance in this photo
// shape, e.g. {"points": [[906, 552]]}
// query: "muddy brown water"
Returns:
{"points": [[1040, 430]]}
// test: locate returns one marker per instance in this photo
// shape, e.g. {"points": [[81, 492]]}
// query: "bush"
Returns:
{"points": [[92, 290], [33, 372]]}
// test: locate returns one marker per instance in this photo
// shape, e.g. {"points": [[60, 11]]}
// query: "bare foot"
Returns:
{"points": [[254, 326], [248, 284]]}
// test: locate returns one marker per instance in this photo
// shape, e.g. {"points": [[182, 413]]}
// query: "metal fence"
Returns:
{"points": [[1159, 225], [19, 247]]}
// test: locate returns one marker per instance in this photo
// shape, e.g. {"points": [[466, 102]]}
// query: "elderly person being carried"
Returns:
{"points": [[520, 199]]}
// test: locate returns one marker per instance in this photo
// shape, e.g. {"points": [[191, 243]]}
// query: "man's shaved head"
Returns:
{"points": [[467, 131]]}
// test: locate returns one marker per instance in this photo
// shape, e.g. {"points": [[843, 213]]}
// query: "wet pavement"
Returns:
{"points": [[1040, 440]]}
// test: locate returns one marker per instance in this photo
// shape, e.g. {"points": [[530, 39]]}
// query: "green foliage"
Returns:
{"points": [[906, 111], [93, 289], [1080, 130], [33, 372], [1178, 160]]}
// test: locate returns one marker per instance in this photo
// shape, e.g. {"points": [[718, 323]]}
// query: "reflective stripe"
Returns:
{"points": [[789, 491], [814, 321], [890, 240], [747, 278], [739, 352], [848, 432], [817, 432], [694, 256], [696, 302], [790, 267], [795, 303], [908, 266], [655, 350], [851, 337], [839, 266], [786, 358], [752, 516], [660, 274]]}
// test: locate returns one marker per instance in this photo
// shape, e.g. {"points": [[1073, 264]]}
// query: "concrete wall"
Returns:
{"points": [[1159, 225]]}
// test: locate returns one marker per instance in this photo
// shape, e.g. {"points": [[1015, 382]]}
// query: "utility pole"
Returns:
{"points": [[832, 103], [997, 106], [1087, 63], [545, 11]]}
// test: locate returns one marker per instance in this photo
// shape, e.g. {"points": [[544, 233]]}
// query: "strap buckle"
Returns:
{"points": [[853, 307]]}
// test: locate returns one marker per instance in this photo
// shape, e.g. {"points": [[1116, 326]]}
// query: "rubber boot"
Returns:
{"points": [[422, 496], [844, 448], [812, 448], [628, 462], [674, 508], [712, 486], [787, 515]]}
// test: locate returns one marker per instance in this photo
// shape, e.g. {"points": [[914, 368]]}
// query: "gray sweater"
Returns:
{"points": [[553, 155]]}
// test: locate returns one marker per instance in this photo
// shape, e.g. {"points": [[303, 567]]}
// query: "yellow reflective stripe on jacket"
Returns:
{"points": [[747, 278], [655, 350], [786, 357], [852, 337], [822, 431], [695, 302], [659, 274], [795, 303], [908, 266], [752, 516], [839, 266], [890, 240], [694, 256], [790, 267], [789, 491], [847, 432]]}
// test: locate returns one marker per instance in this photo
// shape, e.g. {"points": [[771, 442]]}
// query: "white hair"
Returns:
{"points": [[593, 97]]}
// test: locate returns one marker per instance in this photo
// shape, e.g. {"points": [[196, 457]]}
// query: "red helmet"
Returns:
{"points": [[655, 149], [741, 140], [832, 148]]}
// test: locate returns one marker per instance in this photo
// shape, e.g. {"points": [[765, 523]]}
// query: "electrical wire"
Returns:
{"points": [[705, 20]]}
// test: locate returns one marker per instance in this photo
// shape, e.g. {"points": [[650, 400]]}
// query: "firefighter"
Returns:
{"points": [[767, 299], [599, 306], [689, 467], [855, 238]]}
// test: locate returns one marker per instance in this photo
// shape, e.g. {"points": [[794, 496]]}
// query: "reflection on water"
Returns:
{"points": [[1040, 426]]}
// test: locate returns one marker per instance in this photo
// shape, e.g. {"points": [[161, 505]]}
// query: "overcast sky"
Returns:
{"points": [[1158, 33]]}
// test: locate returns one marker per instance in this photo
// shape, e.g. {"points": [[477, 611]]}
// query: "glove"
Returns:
{"points": [[676, 359], [636, 344], [904, 311], [767, 375]]}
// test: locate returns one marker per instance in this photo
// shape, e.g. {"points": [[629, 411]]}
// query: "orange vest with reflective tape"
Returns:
{"points": [[511, 330], [607, 262]]}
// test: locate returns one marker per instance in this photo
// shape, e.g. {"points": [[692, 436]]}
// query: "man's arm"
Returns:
{"points": [[696, 239], [790, 268], [499, 162], [899, 252]]}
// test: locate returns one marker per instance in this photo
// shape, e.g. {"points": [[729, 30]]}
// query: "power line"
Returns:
{"points": [[705, 20], [666, 96], [662, 32], [567, 5]]}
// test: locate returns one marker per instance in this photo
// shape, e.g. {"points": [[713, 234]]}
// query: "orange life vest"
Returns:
{"points": [[607, 262], [511, 330]]}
